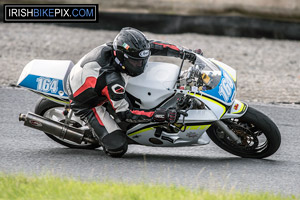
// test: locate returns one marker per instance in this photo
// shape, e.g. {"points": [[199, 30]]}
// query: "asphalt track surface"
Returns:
{"points": [[24, 150]]}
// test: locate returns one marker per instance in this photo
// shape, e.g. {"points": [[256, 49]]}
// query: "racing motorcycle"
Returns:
{"points": [[204, 95]]}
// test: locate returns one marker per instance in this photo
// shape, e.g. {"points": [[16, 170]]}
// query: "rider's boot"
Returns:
{"points": [[114, 143]]}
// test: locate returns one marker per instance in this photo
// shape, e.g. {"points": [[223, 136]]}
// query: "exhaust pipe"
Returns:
{"points": [[55, 128]]}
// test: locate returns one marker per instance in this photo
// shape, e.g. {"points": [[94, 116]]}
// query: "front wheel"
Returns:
{"points": [[54, 111], [259, 135]]}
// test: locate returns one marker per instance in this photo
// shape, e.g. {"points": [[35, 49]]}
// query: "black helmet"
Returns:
{"points": [[131, 51]]}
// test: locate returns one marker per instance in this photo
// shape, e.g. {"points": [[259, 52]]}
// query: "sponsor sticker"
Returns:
{"points": [[144, 53], [35, 123], [236, 106], [192, 135], [160, 116]]}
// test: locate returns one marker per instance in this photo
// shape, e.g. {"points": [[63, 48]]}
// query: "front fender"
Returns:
{"points": [[237, 110]]}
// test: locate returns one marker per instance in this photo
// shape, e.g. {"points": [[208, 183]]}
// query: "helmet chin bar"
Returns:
{"points": [[126, 65]]}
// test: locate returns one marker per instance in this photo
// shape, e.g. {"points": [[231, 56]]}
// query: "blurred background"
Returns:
{"points": [[259, 38], [279, 19]]}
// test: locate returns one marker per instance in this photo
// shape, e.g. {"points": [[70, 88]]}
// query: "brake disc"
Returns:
{"points": [[249, 140]]}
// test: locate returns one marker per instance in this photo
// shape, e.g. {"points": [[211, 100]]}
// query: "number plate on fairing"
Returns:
{"points": [[225, 91], [46, 76], [44, 85]]}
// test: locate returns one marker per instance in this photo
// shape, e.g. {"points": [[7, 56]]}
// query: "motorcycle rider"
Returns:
{"points": [[100, 78]]}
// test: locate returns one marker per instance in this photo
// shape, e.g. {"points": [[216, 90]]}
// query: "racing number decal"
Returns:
{"points": [[226, 87], [47, 84]]}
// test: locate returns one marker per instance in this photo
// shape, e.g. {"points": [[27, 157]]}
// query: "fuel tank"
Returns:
{"points": [[154, 85]]}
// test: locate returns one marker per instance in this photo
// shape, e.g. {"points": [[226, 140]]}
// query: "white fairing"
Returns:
{"points": [[195, 116], [46, 76], [48, 68], [154, 85]]}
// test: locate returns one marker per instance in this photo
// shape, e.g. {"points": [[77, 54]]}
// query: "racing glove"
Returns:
{"points": [[161, 115], [198, 51], [190, 55], [172, 115]]}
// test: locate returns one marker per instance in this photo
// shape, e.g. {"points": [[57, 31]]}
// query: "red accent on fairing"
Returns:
{"points": [[115, 53], [167, 45], [97, 116], [90, 82], [105, 93], [139, 112]]}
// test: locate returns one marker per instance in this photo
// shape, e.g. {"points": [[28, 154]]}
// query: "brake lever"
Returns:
{"points": [[185, 114]]}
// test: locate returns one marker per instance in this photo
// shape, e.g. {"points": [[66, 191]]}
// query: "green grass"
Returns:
{"points": [[49, 187]]}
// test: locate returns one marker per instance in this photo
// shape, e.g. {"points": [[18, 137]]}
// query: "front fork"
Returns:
{"points": [[237, 110], [227, 131]]}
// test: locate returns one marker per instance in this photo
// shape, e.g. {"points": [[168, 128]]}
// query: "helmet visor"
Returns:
{"points": [[135, 66], [136, 62]]}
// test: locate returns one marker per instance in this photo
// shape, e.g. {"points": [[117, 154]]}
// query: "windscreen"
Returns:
{"points": [[203, 75]]}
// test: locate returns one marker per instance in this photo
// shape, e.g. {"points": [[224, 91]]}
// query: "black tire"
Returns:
{"points": [[45, 104], [250, 126]]}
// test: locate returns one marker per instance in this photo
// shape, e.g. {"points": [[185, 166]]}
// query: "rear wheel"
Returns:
{"points": [[54, 111], [259, 135]]}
